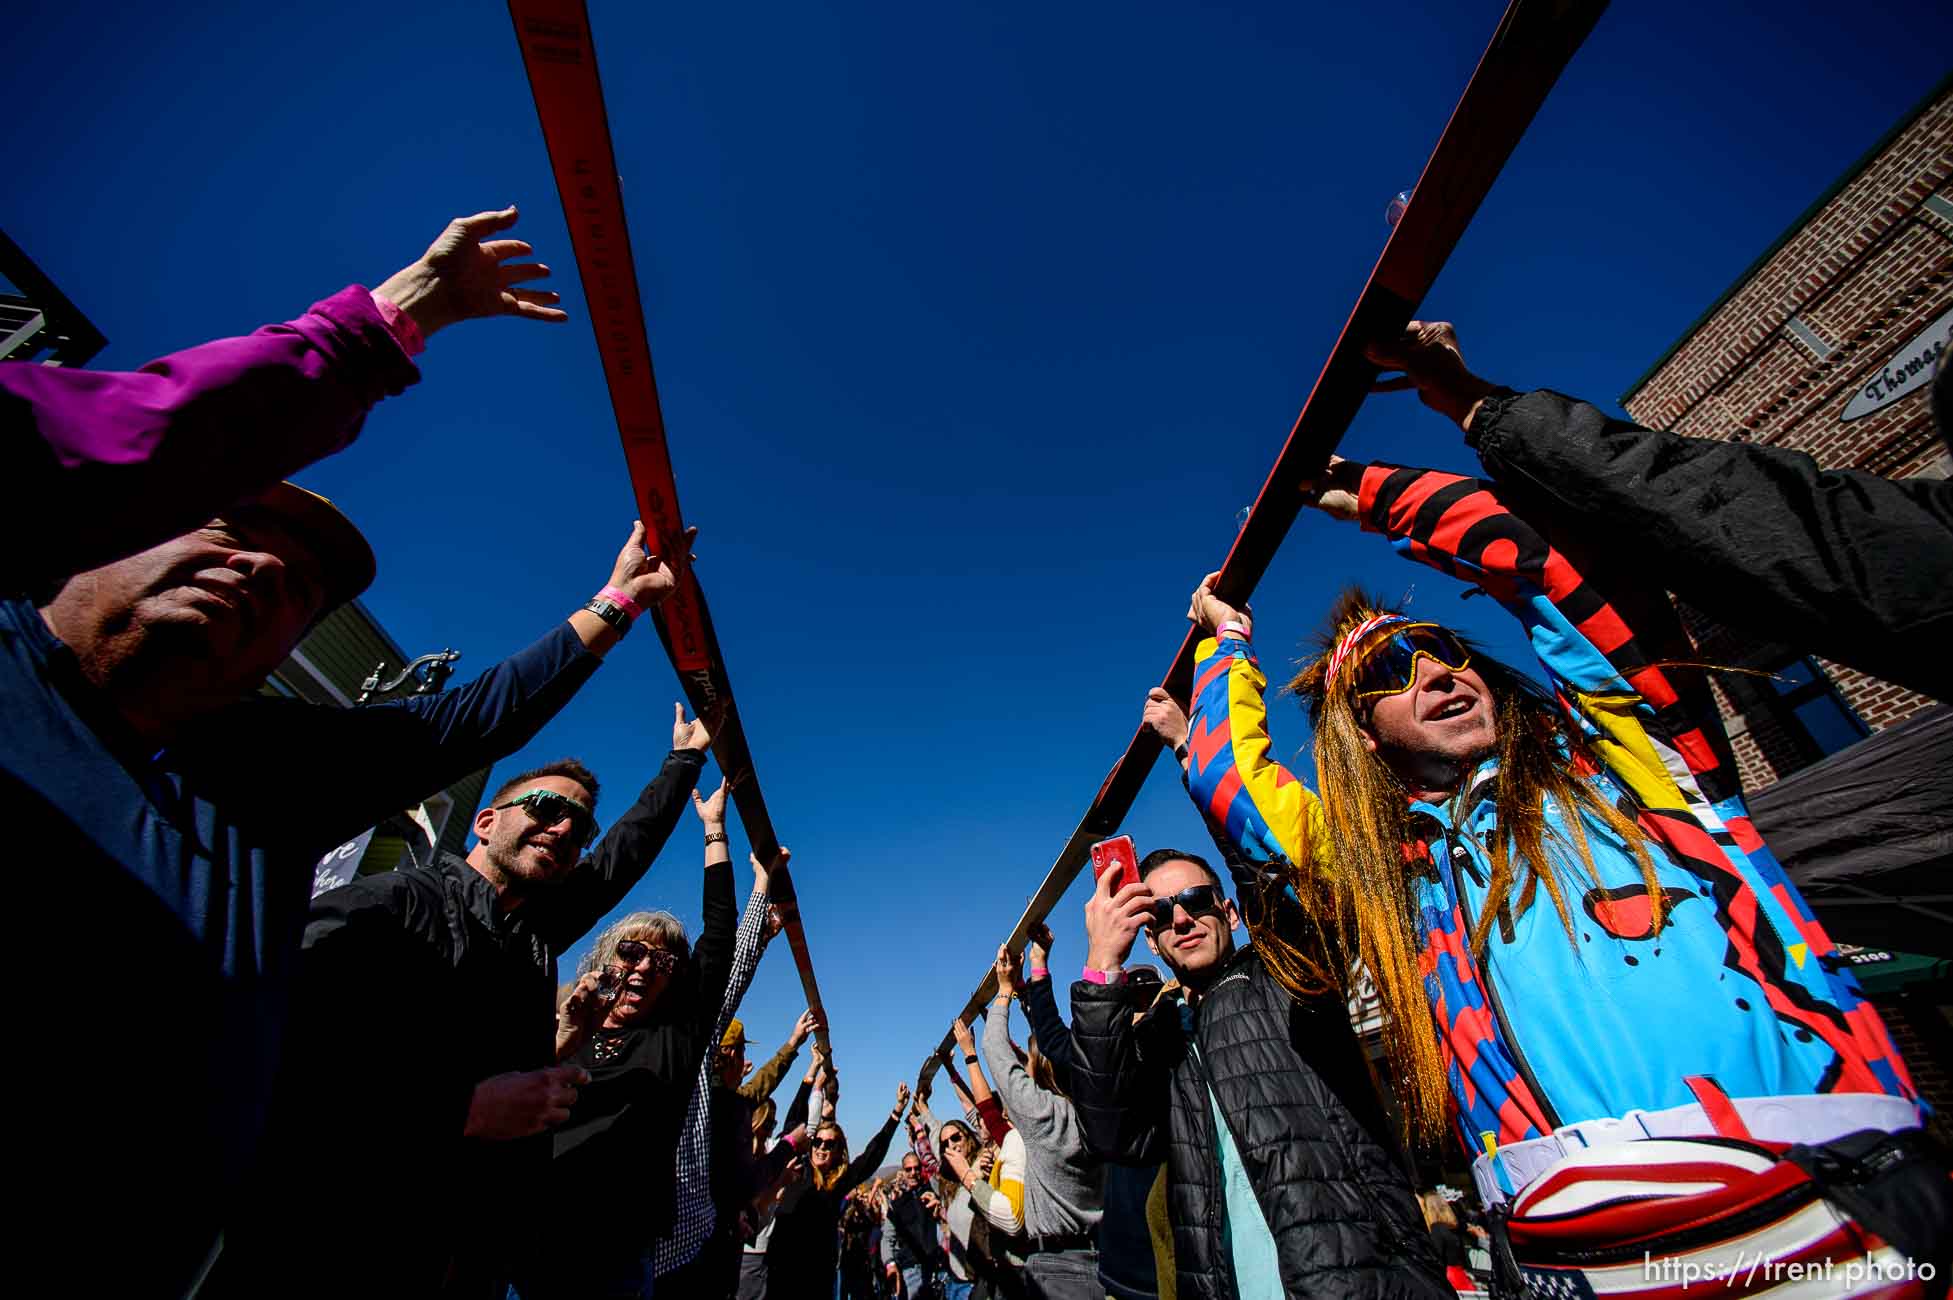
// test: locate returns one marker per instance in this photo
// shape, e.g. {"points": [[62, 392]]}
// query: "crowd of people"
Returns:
{"points": [[1586, 958]]}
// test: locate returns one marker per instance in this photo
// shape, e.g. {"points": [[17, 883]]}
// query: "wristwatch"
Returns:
{"points": [[610, 613], [1180, 752]]}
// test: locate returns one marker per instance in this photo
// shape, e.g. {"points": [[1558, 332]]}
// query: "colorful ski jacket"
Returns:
{"points": [[1740, 984]]}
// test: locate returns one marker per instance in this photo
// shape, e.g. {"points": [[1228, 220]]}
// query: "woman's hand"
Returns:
{"points": [[1038, 955], [712, 811], [582, 1011], [963, 1037], [1006, 968]]}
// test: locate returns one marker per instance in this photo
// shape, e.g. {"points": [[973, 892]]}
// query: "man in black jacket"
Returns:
{"points": [[1283, 1177], [419, 1074], [909, 1247]]}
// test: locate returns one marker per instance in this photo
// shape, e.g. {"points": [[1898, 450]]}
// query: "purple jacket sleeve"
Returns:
{"points": [[114, 462]]}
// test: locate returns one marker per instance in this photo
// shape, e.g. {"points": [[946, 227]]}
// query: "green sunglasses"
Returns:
{"points": [[549, 807]]}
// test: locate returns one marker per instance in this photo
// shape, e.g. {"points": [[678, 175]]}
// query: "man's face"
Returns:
{"points": [[527, 852], [222, 604], [911, 1172], [1446, 716], [1191, 945]]}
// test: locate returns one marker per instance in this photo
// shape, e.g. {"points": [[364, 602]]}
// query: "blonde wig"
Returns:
{"points": [[1358, 886]]}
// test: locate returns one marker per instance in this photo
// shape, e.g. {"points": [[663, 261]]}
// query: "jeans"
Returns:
{"points": [[1063, 1275], [954, 1290], [912, 1278]]}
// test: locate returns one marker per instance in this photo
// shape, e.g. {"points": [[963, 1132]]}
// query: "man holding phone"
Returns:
{"points": [[1258, 1102]]}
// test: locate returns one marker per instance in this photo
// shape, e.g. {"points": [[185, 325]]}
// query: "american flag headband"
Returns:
{"points": [[1354, 638]]}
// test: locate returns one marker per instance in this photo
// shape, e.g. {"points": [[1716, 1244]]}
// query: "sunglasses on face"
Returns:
{"points": [[953, 1139], [1198, 900], [826, 1143], [1389, 664], [548, 808], [633, 951]]}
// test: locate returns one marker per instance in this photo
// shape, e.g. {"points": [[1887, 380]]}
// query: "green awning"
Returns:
{"points": [[1881, 970]]}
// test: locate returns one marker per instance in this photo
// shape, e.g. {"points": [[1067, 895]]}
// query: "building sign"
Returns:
{"points": [[1907, 371]]}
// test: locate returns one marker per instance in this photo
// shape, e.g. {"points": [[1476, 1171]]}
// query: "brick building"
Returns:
{"points": [[1825, 345]]}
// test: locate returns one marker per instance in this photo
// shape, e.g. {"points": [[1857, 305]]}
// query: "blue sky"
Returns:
{"points": [[975, 326]]}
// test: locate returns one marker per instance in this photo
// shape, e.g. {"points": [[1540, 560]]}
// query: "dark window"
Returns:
{"points": [[1795, 714]]}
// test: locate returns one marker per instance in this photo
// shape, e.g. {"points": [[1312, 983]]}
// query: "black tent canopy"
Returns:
{"points": [[1867, 835]]}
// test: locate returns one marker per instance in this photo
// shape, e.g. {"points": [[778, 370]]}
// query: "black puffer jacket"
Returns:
{"points": [[1291, 1082]]}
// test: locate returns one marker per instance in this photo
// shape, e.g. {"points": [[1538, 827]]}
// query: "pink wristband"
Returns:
{"points": [[622, 601], [1231, 628], [1091, 976], [401, 326], [1040, 972]]}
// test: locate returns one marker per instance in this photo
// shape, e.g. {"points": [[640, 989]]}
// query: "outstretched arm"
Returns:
{"points": [[118, 462], [863, 1166], [769, 1076], [1759, 535], [1232, 775]]}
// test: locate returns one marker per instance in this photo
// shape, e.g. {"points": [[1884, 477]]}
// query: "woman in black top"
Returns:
{"points": [[643, 1058], [801, 1257]]}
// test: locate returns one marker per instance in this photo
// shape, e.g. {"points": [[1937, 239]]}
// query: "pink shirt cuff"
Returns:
{"points": [[401, 326]]}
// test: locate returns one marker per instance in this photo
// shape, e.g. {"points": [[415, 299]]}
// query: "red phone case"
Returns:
{"points": [[1116, 852]]}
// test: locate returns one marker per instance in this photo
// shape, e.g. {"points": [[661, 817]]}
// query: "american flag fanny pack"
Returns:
{"points": [[1719, 1216]]}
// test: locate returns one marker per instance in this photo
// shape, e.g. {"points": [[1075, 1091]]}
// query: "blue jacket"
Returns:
{"points": [[166, 893]]}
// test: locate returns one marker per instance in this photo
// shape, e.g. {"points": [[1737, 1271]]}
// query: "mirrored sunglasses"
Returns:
{"points": [[548, 808], [1388, 665], [632, 951], [1198, 900]]}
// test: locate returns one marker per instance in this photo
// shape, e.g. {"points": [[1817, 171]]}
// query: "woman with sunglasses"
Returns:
{"points": [[1555, 887], [649, 1004], [801, 1260]]}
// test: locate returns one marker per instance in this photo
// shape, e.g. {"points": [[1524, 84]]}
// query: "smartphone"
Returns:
{"points": [[1118, 855]]}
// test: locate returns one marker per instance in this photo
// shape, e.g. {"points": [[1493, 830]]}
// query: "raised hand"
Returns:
{"points": [[1208, 611], [464, 274], [901, 1099], [1038, 955], [644, 577], [763, 876], [711, 809], [804, 1028], [1165, 716], [1113, 921], [1336, 491], [964, 1039], [1428, 354], [1006, 968]]}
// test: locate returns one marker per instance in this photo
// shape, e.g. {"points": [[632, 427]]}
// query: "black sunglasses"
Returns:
{"points": [[633, 951], [1199, 900], [548, 808]]}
